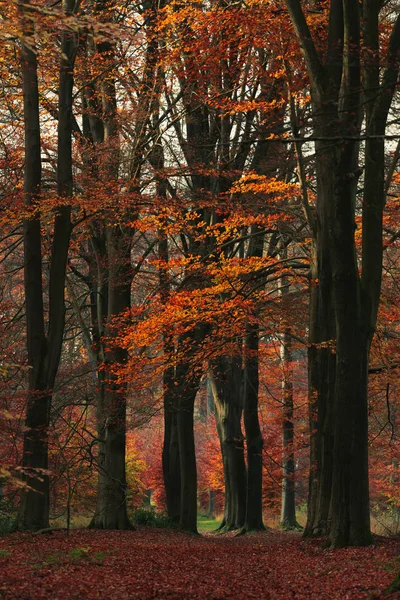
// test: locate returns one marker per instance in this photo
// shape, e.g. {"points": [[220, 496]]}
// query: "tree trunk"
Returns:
{"points": [[321, 385], [226, 382], [288, 510], [44, 351], [254, 440], [187, 389], [336, 85], [211, 504], [34, 508], [350, 490], [227, 490], [170, 453], [111, 507]]}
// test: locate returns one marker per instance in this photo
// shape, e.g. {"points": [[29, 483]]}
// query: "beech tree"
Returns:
{"points": [[44, 340], [288, 509], [337, 79], [111, 242], [214, 134]]}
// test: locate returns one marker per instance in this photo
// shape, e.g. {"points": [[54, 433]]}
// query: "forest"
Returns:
{"points": [[199, 299]]}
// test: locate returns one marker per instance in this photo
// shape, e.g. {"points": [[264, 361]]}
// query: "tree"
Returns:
{"points": [[44, 347], [336, 85], [288, 510], [111, 509]]}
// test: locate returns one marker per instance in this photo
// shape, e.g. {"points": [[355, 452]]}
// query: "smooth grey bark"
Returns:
{"points": [[187, 384], [187, 461]]}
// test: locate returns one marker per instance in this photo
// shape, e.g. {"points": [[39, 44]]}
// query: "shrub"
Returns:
{"points": [[149, 517], [8, 517]]}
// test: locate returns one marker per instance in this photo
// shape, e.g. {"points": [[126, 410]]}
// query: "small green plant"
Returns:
{"points": [[79, 554], [394, 586], [285, 526], [144, 516], [99, 557], [393, 565], [8, 517], [52, 559], [149, 517], [4, 553]]}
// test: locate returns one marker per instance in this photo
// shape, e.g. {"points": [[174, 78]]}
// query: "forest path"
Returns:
{"points": [[166, 564]]}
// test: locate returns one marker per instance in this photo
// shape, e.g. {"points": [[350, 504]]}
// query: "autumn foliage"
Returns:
{"points": [[199, 292]]}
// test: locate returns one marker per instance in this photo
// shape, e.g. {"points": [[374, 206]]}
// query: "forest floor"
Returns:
{"points": [[167, 564]]}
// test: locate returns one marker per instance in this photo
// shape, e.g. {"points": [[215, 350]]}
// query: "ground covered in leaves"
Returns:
{"points": [[159, 563]]}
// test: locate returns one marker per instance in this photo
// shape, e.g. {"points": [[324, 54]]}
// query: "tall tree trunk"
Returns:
{"points": [[170, 456], [350, 491], [34, 509], [227, 386], [111, 508], [346, 417], [187, 387], [336, 94], [288, 510], [170, 451], [44, 350], [254, 440], [321, 385], [288, 507], [227, 490]]}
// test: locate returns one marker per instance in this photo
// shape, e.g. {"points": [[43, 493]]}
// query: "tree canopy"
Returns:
{"points": [[199, 256]]}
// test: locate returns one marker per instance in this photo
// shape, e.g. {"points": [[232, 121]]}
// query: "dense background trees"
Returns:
{"points": [[199, 271]]}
